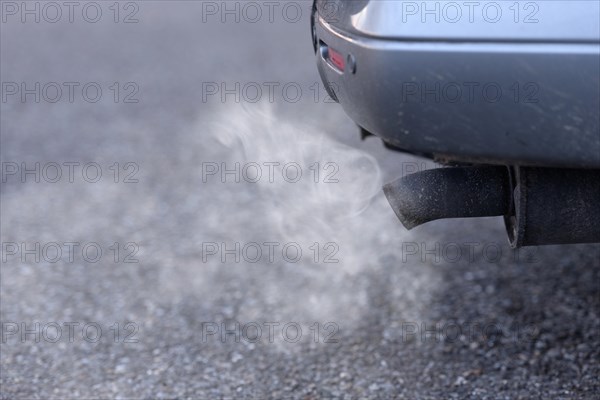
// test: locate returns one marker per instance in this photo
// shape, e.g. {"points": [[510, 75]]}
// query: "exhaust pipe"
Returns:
{"points": [[540, 205], [460, 192]]}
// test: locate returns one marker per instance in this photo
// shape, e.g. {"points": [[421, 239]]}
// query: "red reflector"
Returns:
{"points": [[336, 59]]}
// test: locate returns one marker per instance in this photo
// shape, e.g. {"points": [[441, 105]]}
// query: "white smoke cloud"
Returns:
{"points": [[350, 212]]}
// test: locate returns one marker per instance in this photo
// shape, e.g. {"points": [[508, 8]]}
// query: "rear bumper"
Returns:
{"points": [[498, 102]]}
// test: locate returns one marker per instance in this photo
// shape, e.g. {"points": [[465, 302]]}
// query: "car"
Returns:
{"points": [[506, 94]]}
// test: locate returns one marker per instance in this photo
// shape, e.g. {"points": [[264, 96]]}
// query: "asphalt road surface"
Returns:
{"points": [[185, 214]]}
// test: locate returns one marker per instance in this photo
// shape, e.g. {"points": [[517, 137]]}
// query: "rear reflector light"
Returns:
{"points": [[336, 58]]}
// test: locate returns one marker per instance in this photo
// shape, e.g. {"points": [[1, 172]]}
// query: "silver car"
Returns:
{"points": [[506, 92]]}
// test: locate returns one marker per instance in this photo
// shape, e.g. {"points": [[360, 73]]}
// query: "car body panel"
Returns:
{"points": [[528, 99], [531, 21]]}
